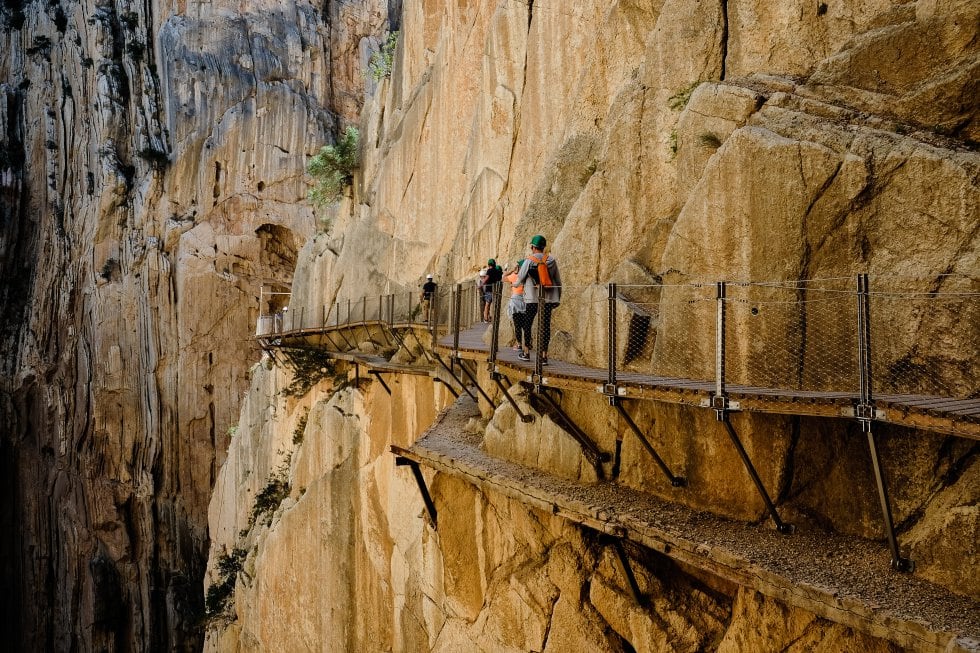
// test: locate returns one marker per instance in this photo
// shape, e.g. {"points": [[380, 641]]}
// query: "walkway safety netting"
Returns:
{"points": [[899, 335], [921, 337]]}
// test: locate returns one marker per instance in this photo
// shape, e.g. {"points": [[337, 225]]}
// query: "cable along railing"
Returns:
{"points": [[847, 337]]}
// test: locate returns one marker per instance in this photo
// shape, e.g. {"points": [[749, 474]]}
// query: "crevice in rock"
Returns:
{"points": [[951, 477], [789, 468], [724, 38]]}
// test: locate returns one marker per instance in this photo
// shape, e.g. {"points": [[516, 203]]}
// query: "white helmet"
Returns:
{"points": [[428, 276]]}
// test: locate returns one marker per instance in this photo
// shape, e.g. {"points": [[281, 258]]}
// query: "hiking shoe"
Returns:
{"points": [[524, 357]]}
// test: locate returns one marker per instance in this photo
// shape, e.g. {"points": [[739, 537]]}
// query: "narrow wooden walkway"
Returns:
{"points": [[844, 579], [322, 340], [959, 417]]}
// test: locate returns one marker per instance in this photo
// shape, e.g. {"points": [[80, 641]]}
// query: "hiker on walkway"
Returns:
{"points": [[494, 274], [481, 293], [428, 291], [542, 285], [516, 309]]}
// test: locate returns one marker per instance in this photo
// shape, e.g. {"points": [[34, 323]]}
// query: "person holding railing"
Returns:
{"points": [[541, 279], [516, 309]]}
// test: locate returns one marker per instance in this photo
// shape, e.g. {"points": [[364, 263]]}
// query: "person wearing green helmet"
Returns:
{"points": [[541, 279]]}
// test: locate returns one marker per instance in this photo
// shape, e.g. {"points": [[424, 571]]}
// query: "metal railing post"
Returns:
{"points": [[864, 352], [611, 346], [720, 401], [457, 302], [538, 361], [495, 327], [865, 413]]}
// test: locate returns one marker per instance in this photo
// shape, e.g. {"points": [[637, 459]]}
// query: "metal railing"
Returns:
{"points": [[882, 335]]}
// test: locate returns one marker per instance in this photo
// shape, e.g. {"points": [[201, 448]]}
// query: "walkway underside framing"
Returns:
{"points": [[803, 571]]}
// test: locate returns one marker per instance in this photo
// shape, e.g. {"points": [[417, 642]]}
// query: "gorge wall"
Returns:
{"points": [[152, 161], [652, 142], [151, 171]]}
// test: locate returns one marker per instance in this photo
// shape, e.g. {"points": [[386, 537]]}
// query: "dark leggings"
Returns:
{"points": [[529, 315], [522, 329]]}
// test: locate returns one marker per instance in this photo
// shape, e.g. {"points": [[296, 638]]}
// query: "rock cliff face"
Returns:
{"points": [[668, 141], [152, 178]]}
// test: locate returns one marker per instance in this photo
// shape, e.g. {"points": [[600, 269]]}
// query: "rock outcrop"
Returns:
{"points": [[673, 142], [151, 178]]}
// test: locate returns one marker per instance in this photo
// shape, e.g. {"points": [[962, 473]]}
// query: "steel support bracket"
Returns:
{"points": [[537, 380], [430, 506], [612, 392], [377, 374], [497, 378], [676, 481], [865, 413], [721, 404]]}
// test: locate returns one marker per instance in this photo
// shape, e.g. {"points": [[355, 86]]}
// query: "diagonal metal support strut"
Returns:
{"points": [[898, 562], [377, 375], [624, 564], [526, 418], [476, 383], [676, 481], [449, 386], [590, 450], [455, 378], [781, 526], [430, 507]]}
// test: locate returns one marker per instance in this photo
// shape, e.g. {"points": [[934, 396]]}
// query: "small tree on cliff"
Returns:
{"points": [[379, 65], [332, 169]]}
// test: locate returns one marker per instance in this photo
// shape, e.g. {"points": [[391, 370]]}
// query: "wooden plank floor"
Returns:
{"points": [[841, 578]]}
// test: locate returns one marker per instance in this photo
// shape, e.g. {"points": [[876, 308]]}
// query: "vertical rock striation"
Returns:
{"points": [[152, 178], [671, 141]]}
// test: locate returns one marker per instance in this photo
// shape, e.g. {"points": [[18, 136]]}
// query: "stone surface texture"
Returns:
{"points": [[152, 181]]}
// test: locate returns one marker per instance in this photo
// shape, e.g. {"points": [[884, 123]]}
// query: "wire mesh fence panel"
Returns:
{"points": [[440, 309], [578, 326], [667, 330], [792, 335], [925, 336], [405, 308], [471, 306]]}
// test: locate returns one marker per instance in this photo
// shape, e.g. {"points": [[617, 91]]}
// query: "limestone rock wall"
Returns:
{"points": [[668, 141], [152, 178]]}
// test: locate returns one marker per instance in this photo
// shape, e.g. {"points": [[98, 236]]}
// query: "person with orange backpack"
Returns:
{"points": [[542, 287]]}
